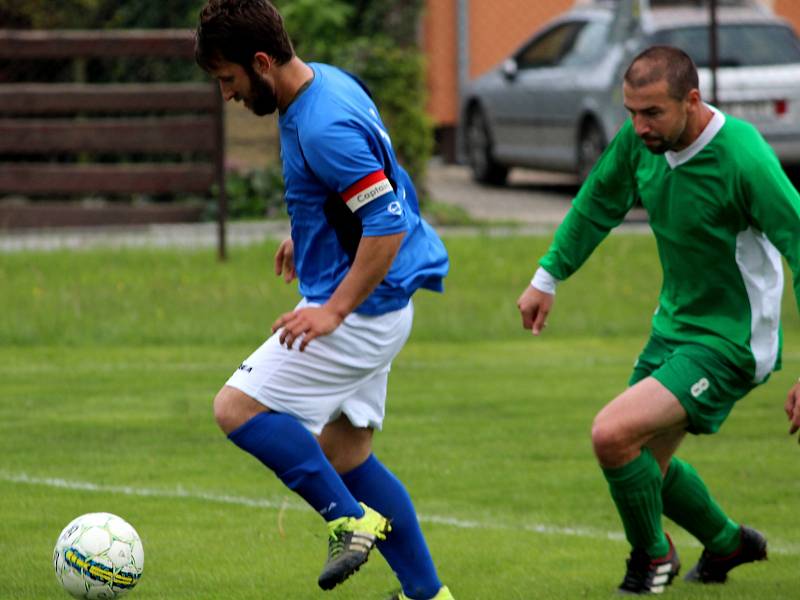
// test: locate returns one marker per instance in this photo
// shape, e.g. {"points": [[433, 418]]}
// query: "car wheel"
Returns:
{"points": [[485, 169], [590, 146]]}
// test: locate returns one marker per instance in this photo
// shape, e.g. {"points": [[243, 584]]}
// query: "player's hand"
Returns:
{"points": [[306, 323], [284, 260], [534, 306], [792, 408]]}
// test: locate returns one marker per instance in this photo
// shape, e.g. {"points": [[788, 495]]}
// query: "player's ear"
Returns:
{"points": [[262, 63], [693, 97]]}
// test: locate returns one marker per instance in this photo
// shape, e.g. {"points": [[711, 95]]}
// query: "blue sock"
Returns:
{"points": [[404, 548], [291, 451]]}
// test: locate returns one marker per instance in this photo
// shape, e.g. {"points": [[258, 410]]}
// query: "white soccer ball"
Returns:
{"points": [[98, 555]]}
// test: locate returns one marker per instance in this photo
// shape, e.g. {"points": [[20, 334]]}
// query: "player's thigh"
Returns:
{"points": [[642, 412], [705, 383]]}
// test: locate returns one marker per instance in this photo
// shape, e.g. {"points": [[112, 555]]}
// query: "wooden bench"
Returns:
{"points": [[52, 134]]}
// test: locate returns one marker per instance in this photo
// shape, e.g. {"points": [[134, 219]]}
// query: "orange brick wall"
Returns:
{"points": [[440, 39], [789, 9], [496, 28]]}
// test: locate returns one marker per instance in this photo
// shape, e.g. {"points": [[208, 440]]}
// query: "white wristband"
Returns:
{"points": [[544, 282]]}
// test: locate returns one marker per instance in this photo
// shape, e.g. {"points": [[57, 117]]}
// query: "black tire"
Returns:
{"points": [[591, 144], [485, 169]]}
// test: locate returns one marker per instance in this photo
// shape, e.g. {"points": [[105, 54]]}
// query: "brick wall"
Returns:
{"points": [[440, 39], [789, 9]]}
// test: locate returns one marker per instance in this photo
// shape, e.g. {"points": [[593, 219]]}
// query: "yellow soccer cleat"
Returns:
{"points": [[349, 544], [442, 594]]}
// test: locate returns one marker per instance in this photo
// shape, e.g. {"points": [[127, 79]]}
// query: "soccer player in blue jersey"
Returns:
{"points": [[307, 401]]}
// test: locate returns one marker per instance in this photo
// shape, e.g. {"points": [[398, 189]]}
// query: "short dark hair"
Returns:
{"points": [[664, 62], [234, 30]]}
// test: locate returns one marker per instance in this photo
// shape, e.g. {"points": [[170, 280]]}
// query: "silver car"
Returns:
{"points": [[557, 101]]}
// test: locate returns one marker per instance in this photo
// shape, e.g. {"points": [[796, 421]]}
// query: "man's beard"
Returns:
{"points": [[664, 144], [661, 147], [262, 100]]}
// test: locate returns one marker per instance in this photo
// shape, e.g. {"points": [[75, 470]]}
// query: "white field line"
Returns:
{"points": [[282, 504]]}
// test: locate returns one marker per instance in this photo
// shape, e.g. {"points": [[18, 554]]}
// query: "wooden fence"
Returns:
{"points": [[42, 123]]}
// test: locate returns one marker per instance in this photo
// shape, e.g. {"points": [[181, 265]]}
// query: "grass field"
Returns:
{"points": [[109, 360]]}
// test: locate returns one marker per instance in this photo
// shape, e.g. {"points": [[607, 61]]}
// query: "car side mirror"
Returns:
{"points": [[510, 69]]}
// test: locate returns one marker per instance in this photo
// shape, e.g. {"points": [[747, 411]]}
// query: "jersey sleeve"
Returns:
{"points": [[343, 155], [601, 204], [774, 205]]}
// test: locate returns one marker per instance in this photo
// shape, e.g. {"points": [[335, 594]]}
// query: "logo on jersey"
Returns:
{"points": [[395, 208], [366, 190]]}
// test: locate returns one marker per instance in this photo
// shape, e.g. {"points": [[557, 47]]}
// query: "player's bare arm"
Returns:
{"points": [[372, 262], [284, 261], [792, 408], [534, 306]]}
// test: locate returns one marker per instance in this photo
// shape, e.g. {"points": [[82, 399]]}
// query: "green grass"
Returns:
{"points": [[109, 360]]}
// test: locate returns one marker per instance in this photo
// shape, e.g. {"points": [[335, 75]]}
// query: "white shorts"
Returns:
{"points": [[341, 373]]}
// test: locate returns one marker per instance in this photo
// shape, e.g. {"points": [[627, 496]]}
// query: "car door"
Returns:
{"points": [[568, 90], [523, 111]]}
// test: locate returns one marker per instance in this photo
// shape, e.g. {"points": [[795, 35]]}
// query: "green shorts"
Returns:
{"points": [[706, 384]]}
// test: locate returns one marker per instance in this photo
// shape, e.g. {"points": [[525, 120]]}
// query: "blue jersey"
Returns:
{"points": [[343, 182]]}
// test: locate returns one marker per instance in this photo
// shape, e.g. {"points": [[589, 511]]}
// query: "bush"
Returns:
{"points": [[252, 195]]}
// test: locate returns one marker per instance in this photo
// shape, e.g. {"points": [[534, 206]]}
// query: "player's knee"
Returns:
{"points": [[228, 411], [609, 442]]}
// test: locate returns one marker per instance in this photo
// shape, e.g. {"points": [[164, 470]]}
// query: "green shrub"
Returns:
{"points": [[252, 195]]}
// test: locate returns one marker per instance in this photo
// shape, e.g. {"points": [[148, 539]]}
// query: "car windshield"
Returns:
{"points": [[739, 45]]}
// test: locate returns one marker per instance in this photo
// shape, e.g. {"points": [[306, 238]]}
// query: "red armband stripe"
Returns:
{"points": [[366, 190]]}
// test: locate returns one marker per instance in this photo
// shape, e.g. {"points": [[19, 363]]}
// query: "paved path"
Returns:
{"points": [[529, 198], [534, 199], [532, 202]]}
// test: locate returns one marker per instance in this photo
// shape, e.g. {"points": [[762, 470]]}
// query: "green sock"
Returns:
{"points": [[687, 502], [636, 490]]}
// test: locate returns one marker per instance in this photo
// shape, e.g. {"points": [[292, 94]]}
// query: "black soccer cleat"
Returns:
{"points": [[713, 568], [647, 575]]}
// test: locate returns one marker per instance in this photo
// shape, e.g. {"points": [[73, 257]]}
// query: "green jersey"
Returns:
{"points": [[722, 211]]}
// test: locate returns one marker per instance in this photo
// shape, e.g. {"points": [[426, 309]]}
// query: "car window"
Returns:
{"points": [[588, 44], [739, 45], [548, 49]]}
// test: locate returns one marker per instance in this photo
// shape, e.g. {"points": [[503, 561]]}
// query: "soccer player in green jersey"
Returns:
{"points": [[722, 211]]}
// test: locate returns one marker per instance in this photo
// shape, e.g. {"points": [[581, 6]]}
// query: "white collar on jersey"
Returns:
{"points": [[676, 159]]}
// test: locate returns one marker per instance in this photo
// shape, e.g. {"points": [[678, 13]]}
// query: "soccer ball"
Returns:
{"points": [[98, 555]]}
